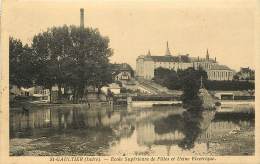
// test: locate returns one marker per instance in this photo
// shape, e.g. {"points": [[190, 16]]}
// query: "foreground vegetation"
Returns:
{"points": [[68, 56]]}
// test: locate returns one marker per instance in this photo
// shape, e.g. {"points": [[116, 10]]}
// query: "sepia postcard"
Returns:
{"points": [[130, 81]]}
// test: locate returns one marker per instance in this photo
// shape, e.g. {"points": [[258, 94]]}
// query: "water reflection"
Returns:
{"points": [[154, 131], [185, 128]]}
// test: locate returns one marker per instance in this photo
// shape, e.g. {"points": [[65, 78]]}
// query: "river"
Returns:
{"points": [[130, 131]]}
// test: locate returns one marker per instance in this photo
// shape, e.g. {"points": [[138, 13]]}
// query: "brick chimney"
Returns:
{"points": [[82, 17]]}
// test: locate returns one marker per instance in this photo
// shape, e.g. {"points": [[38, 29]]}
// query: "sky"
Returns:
{"points": [[225, 27]]}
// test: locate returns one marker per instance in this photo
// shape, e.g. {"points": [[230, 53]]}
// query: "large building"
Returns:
{"points": [[220, 73], [146, 64]]}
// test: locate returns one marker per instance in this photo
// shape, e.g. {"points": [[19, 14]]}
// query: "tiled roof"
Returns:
{"points": [[168, 58], [196, 59], [164, 58], [220, 67]]}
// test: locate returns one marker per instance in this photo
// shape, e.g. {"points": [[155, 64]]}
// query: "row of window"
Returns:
{"points": [[44, 92], [204, 65], [220, 75]]}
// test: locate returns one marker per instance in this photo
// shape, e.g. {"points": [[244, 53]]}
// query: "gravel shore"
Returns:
{"points": [[240, 142]]}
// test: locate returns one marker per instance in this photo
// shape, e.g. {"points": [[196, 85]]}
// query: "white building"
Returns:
{"points": [[146, 64], [220, 73]]}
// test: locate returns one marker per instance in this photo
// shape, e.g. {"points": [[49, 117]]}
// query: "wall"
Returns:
{"points": [[148, 69]]}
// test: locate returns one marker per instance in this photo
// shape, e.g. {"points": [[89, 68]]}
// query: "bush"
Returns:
{"points": [[189, 81], [229, 85]]}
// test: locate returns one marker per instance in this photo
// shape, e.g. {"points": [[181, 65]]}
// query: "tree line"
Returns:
{"points": [[68, 56], [190, 78], [187, 80]]}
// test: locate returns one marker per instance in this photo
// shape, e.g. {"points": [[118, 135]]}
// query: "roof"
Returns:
{"points": [[194, 59], [247, 69], [220, 67], [168, 58]]}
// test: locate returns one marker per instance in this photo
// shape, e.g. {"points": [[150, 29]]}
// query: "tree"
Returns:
{"points": [[162, 76], [90, 53], [45, 70], [176, 80], [236, 77], [190, 80], [21, 64], [51, 48], [73, 57]]}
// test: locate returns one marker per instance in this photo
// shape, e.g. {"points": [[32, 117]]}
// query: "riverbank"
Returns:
{"points": [[31, 105], [237, 142], [48, 146]]}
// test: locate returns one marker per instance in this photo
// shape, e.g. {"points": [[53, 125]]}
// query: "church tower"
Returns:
{"points": [[207, 55], [148, 53], [167, 53]]}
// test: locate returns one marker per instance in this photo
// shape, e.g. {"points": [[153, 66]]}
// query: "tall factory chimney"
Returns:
{"points": [[82, 17]]}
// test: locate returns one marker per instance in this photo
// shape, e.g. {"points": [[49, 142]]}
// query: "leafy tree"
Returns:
{"points": [[236, 77], [51, 48], [175, 80], [166, 77], [190, 80], [21, 64], [90, 53], [72, 57], [45, 75]]}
